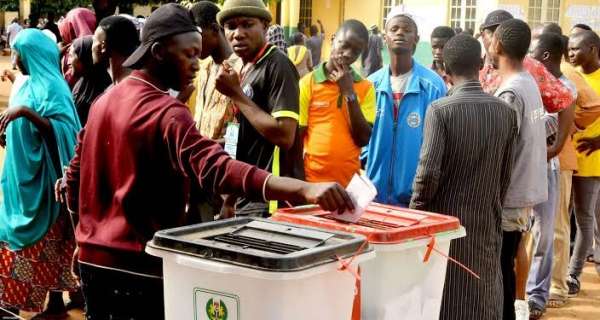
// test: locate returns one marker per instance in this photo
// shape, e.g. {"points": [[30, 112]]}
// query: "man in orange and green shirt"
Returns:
{"points": [[337, 109]]}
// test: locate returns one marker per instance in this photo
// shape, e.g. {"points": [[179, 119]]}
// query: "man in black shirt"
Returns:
{"points": [[51, 25], [266, 95]]}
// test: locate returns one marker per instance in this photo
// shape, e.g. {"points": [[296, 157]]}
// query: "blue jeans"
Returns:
{"points": [[540, 273], [587, 216]]}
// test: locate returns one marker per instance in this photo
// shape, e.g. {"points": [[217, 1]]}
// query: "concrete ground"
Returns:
{"points": [[585, 307]]}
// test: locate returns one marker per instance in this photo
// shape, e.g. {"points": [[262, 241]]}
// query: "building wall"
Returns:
{"points": [[24, 8], [7, 18], [139, 10], [571, 12], [330, 13], [581, 11]]}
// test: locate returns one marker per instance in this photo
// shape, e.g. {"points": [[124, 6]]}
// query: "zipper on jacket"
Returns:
{"points": [[391, 172]]}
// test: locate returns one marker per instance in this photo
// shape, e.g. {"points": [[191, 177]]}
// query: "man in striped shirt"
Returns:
{"points": [[464, 171]]}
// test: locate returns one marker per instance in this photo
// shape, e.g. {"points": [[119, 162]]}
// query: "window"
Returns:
{"points": [[388, 5], [463, 14], [541, 11], [552, 10], [306, 13]]}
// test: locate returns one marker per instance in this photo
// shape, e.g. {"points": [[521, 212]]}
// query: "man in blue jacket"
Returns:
{"points": [[404, 90]]}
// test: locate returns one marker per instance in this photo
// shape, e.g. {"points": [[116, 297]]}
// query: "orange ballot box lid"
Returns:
{"points": [[380, 223]]}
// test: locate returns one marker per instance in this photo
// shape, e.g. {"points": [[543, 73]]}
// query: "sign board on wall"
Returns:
{"points": [[514, 9], [587, 14]]}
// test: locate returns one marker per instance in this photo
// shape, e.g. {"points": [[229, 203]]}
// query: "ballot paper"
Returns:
{"points": [[362, 191]]}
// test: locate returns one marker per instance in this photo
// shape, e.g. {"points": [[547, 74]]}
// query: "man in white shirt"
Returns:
{"points": [[11, 34]]}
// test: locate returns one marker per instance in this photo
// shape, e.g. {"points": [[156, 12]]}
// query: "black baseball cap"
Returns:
{"points": [[168, 20], [495, 18]]}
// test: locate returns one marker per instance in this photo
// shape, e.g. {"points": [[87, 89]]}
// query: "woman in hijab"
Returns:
{"points": [[93, 79], [79, 22], [39, 131]]}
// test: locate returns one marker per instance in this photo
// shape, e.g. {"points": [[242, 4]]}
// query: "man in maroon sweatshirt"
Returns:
{"points": [[134, 164]]}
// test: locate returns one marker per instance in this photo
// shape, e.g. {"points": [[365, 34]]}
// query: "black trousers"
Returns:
{"points": [[510, 246], [115, 295]]}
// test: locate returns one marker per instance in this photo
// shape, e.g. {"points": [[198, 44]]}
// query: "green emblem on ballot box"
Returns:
{"points": [[215, 305], [216, 309]]}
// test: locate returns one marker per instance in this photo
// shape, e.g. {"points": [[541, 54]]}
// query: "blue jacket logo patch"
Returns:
{"points": [[413, 120]]}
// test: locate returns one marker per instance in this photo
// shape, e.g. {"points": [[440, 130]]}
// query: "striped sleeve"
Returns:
{"points": [[429, 171]]}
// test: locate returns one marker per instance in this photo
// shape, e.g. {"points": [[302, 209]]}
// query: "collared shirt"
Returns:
{"points": [[132, 169], [392, 155], [212, 109], [555, 95], [330, 151], [272, 84]]}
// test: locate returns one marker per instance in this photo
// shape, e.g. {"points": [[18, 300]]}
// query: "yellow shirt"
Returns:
{"points": [[589, 166], [330, 152]]}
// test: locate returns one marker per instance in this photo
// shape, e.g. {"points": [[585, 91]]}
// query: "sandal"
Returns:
{"points": [[556, 302], [535, 312]]}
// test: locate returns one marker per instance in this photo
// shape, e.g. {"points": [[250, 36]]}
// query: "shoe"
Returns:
{"points": [[521, 310], [574, 286], [535, 312]]}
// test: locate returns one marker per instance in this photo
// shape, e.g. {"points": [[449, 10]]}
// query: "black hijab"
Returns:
{"points": [[94, 81]]}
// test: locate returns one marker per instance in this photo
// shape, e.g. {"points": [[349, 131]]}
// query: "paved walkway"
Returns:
{"points": [[584, 307]]}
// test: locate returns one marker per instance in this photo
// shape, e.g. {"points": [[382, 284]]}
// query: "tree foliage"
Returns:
{"points": [[9, 5]]}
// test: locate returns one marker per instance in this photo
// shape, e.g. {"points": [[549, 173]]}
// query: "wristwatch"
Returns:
{"points": [[350, 97]]}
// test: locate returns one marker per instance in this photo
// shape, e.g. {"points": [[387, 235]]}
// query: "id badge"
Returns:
{"points": [[231, 138]]}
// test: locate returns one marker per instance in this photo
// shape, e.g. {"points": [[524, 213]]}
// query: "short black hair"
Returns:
{"points": [[297, 38], [469, 31], [444, 32], [590, 38], [204, 13], [357, 27], [121, 34], [551, 27], [582, 26], [462, 55], [515, 36], [553, 43]]}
